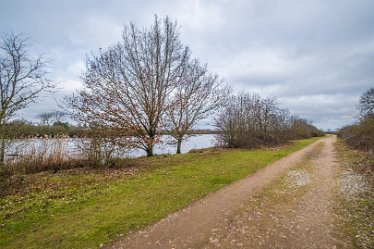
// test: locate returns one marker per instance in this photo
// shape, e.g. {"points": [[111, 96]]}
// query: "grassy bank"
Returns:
{"points": [[86, 208]]}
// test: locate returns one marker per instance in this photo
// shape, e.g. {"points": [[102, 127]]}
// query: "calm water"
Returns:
{"points": [[167, 146], [70, 146]]}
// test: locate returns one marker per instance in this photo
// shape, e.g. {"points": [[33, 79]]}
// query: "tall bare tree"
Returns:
{"points": [[128, 84], [22, 79], [197, 97]]}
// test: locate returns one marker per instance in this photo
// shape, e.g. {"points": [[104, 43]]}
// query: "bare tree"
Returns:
{"points": [[197, 97], [301, 128], [127, 86], [252, 121], [58, 116], [22, 79], [46, 118], [366, 104], [49, 118]]}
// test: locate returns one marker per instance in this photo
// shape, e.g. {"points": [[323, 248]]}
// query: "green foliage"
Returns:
{"points": [[85, 208]]}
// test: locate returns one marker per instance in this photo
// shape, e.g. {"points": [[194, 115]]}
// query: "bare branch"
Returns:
{"points": [[198, 96], [22, 78], [127, 86]]}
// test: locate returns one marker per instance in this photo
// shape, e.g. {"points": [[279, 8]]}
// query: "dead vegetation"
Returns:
{"points": [[251, 121], [356, 189]]}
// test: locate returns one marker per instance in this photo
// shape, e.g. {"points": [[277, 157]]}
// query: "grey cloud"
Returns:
{"points": [[314, 56]]}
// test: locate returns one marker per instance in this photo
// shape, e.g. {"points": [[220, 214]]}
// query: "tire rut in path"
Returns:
{"points": [[194, 226], [297, 211], [316, 214]]}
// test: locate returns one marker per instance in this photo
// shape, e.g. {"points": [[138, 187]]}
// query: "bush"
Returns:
{"points": [[250, 121], [359, 136], [301, 128]]}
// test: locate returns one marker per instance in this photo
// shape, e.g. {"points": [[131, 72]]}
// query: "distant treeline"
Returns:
{"points": [[250, 121], [297, 128], [24, 129]]}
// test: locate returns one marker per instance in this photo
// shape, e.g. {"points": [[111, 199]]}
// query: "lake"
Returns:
{"points": [[70, 146], [168, 145]]}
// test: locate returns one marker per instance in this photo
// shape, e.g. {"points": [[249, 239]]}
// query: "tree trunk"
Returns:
{"points": [[149, 151], [2, 152], [179, 145]]}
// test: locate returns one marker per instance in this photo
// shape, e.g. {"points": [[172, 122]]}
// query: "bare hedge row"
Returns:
{"points": [[361, 135], [250, 121]]}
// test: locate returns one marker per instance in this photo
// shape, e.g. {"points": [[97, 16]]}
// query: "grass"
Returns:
{"points": [[87, 208], [359, 208]]}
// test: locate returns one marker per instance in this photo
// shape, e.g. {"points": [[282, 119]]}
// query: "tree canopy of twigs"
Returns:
{"points": [[22, 78], [249, 121], [132, 85], [198, 96], [46, 118], [51, 118], [366, 103]]}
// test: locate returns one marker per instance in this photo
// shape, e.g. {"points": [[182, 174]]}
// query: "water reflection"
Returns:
{"points": [[70, 146]]}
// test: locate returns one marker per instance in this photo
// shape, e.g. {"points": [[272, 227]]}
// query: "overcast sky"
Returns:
{"points": [[315, 57]]}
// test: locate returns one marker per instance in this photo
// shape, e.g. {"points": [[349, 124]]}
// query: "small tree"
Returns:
{"points": [[197, 97], [46, 118], [22, 79], [366, 104]]}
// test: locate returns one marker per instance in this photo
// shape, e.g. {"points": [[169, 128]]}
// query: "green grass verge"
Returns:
{"points": [[87, 208]]}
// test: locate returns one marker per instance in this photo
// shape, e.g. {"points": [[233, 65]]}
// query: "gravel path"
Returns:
{"points": [[284, 205]]}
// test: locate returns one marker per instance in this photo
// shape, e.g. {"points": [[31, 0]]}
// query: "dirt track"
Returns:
{"points": [[288, 204]]}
